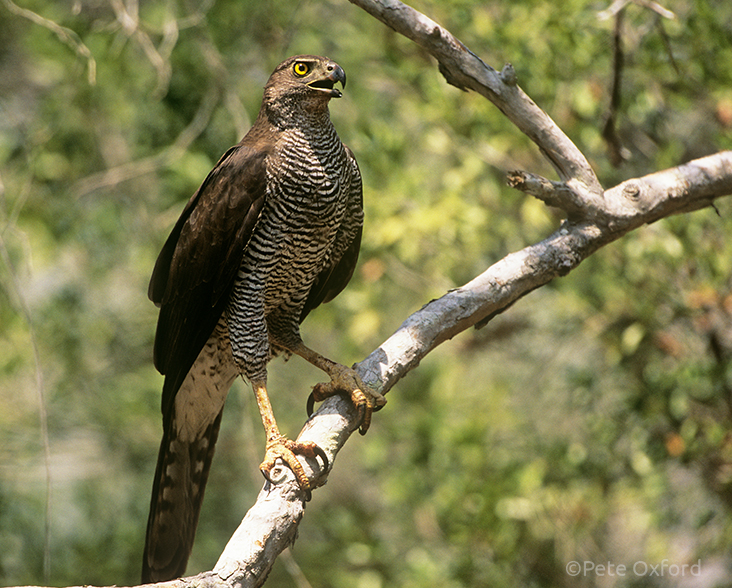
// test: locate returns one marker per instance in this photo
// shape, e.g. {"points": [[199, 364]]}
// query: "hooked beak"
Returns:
{"points": [[326, 84]]}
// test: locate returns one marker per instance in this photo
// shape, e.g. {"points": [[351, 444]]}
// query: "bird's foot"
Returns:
{"points": [[288, 450], [345, 379]]}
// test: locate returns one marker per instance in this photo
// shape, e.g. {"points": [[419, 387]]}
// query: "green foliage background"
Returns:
{"points": [[590, 422]]}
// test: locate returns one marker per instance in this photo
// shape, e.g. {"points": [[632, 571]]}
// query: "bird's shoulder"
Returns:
{"points": [[217, 217], [197, 267]]}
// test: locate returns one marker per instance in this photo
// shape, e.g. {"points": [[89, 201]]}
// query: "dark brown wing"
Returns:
{"points": [[197, 267], [331, 281]]}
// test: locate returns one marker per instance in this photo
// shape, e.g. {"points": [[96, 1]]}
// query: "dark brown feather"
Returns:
{"points": [[168, 541], [197, 267]]}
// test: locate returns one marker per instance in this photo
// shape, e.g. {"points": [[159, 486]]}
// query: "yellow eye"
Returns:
{"points": [[301, 68]]}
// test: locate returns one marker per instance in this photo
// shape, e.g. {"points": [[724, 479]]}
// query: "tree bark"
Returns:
{"points": [[595, 217]]}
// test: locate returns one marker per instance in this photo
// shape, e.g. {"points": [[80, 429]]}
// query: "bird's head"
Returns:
{"points": [[304, 81]]}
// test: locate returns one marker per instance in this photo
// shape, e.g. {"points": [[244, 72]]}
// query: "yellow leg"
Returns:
{"points": [[278, 446], [343, 379]]}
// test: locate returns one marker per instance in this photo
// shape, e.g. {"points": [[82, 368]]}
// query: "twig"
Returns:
{"points": [[128, 18], [462, 68], [616, 150], [41, 397], [140, 167], [65, 35]]}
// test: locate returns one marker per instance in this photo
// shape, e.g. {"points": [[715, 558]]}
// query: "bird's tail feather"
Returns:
{"points": [[178, 487]]}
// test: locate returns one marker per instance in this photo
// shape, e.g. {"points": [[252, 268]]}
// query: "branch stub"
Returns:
{"points": [[508, 75]]}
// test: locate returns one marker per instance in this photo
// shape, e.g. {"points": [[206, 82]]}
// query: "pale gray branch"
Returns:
{"points": [[271, 524], [596, 219], [462, 68], [65, 35], [556, 194]]}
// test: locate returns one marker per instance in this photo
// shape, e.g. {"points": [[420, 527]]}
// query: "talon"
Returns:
{"points": [[343, 379], [365, 421], [321, 454], [310, 407], [287, 450]]}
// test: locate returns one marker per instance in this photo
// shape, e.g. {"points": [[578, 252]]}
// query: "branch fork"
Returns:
{"points": [[595, 217]]}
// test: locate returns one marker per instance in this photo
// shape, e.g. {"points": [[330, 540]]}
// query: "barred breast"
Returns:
{"points": [[309, 181]]}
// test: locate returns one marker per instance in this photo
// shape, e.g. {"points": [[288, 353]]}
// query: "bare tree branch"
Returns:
{"points": [[616, 151], [22, 303], [134, 169], [462, 68], [595, 218], [65, 35], [629, 205], [271, 524], [214, 95]]}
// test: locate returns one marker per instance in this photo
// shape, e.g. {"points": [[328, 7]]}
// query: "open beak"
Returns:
{"points": [[326, 84]]}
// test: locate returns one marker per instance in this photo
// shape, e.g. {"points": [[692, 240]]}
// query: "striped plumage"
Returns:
{"points": [[273, 231], [280, 264]]}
